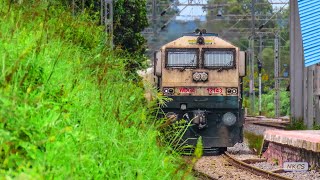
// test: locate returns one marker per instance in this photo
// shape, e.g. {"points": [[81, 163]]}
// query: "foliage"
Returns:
{"points": [[171, 135], [130, 19], [268, 105], [67, 111], [255, 141], [316, 127], [296, 125], [235, 7]]}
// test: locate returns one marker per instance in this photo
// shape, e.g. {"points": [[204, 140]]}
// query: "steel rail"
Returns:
{"points": [[270, 124], [252, 169]]}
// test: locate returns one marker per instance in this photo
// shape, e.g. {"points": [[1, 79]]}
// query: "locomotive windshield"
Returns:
{"points": [[182, 58], [218, 58]]}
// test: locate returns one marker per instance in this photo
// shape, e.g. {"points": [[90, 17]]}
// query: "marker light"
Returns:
{"points": [[168, 91], [232, 91]]}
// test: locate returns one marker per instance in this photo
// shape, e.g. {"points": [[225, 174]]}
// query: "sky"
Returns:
{"points": [[191, 13]]}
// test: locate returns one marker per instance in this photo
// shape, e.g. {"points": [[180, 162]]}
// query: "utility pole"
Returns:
{"points": [[77, 5], [154, 17], [260, 71], [276, 75], [107, 18], [252, 87]]}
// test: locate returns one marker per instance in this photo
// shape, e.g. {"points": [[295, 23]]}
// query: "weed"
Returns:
{"points": [[316, 127], [275, 162], [67, 110], [255, 142], [296, 125]]}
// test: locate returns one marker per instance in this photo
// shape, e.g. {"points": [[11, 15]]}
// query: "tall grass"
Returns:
{"points": [[255, 142], [67, 109]]}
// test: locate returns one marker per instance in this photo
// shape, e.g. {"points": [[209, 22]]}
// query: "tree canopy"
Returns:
{"points": [[130, 18]]}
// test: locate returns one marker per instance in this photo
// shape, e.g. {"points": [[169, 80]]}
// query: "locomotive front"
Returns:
{"points": [[202, 74]]}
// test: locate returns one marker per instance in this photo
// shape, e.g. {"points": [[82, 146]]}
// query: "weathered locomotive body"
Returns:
{"points": [[202, 74]]}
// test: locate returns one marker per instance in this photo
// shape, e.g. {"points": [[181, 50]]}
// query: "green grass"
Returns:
{"points": [[69, 109], [267, 104], [297, 125], [254, 141]]}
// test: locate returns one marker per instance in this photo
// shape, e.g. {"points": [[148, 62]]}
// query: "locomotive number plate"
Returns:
{"points": [[187, 90], [214, 90]]}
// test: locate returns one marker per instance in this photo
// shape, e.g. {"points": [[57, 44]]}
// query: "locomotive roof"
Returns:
{"points": [[189, 41]]}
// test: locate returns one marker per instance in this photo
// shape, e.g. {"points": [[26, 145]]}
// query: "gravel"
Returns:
{"points": [[217, 168], [309, 175], [240, 148], [312, 175]]}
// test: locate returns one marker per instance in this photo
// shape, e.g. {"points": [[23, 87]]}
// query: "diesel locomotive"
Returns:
{"points": [[202, 74]]}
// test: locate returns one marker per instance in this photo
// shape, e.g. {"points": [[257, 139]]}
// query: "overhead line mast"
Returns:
{"points": [[107, 18], [252, 87]]}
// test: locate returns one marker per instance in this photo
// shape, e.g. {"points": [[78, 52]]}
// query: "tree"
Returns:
{"points": [[236, 14], [130, 18]]}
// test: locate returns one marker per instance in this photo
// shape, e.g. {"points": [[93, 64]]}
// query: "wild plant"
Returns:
{"points": [[67, 110]]}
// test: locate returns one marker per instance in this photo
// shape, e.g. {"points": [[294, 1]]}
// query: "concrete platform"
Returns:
{"points": [[307, 139], [292, 146]]}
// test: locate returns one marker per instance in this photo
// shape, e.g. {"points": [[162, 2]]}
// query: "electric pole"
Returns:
{"points": [[77, 5], [154, 17], [276, 75], [260, 71], [107, 18], [252, 87]]}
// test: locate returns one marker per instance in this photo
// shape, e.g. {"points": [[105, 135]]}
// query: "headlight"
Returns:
{"points": [[204, 76], [196, 76], [200, 76], [229, 119]]}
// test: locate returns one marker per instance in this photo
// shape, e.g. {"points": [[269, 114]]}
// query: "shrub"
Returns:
{"points": [[67, 110]]}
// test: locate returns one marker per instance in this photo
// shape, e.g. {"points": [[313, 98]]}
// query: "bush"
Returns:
{"points": [[268, 104], [67, 111], [255, 141]]}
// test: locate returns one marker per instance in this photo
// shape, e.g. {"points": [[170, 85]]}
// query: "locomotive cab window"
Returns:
{"points": [[176, 58], [219, 58]]}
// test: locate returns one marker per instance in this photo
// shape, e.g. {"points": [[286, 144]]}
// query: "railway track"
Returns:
{"points": [[274, 123], [271, 124], [238, 164], [254, 170]]}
